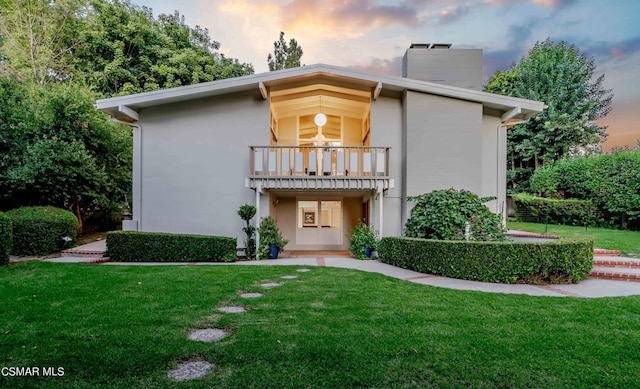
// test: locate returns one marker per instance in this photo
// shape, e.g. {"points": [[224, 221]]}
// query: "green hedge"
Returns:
{"points": [[40, 230], [507, 262], [130, 246], [6, 238], [529, 208]]}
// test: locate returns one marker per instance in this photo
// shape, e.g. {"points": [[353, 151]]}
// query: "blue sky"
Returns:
{"points": [[372, 35]]}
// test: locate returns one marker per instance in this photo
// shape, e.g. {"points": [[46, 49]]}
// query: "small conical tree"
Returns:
{"points": [[246, 213]]}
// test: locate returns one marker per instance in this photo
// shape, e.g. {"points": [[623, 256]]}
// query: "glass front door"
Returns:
{"points": [[319, 222]]}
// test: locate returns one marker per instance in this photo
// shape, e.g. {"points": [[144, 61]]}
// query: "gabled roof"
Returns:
{"points": [[127, 107]]}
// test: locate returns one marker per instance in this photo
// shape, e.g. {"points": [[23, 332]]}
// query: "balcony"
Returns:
{"points": [[314, 167]]}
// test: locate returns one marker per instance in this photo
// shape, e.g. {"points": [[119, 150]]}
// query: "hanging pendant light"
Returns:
{"points": [[320, 119]]}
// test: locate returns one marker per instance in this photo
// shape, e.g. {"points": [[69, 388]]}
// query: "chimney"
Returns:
{"points": [[439, 63]]}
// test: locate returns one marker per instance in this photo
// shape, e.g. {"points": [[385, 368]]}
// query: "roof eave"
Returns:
{"points": [[259, 81]]}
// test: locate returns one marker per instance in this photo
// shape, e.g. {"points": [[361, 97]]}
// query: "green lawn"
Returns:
{"points": [[628, 242], [125, 326]]}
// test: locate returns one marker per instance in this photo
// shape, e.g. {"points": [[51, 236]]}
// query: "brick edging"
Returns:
{"points": [[616, 263], [605, 275], [80, 253], [97, 261]]}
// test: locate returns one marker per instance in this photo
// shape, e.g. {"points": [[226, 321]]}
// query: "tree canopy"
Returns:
{"points": [[56, 58], [113, 47], [126, 50], [285, 55], [563, 78]]}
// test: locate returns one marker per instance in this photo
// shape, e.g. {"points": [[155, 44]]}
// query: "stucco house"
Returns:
{"points": [[317, 147]]}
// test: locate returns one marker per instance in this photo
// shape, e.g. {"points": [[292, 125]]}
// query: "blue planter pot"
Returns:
{"points": [[273, 251], [367, 251]]}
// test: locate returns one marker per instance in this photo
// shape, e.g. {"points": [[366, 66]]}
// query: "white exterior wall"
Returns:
{"points": [[194, 161], [444, 144], [386, 131], [494, 163]]}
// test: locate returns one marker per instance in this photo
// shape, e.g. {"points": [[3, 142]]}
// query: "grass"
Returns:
{"points": [[126, 326], [628, 242]]}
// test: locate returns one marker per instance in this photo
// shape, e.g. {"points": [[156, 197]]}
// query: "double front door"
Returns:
{"points": [[319, 222]]}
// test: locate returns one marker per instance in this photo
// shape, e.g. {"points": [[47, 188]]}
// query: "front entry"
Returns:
{"points": [[319, 222]]}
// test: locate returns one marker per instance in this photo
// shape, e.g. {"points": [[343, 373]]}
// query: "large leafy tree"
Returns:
{"points": [[56, 58], [38, 38], [126, 50], [58, 150], [563, 78], [285, 55]]}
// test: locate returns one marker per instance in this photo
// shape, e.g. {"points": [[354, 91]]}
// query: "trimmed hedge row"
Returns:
{"points": [[571, 212], [132, 246], [40, 230], [505, 262], [6, 238]]}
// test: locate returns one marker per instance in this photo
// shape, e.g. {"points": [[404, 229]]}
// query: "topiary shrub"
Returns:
{"points": [[508, 262], [6, 238], [445, 214], [246, 213], [362, 236], [40, 230], [133, 246]]}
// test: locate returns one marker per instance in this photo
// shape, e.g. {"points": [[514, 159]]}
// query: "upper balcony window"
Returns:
{"points": [[310, 134]]}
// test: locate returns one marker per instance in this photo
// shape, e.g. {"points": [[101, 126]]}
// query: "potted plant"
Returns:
{"points": [[271, 240], [364, 240]]}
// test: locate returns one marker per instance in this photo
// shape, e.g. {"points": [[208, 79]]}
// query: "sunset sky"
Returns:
{"points": [[372, 35]]}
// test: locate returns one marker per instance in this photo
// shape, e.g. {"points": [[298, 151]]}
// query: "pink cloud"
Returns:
{"points": [[348, 18], [392, 67]]}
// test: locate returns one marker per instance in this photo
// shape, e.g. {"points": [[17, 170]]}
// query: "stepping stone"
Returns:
{"points": [[232, 309], [190, 371], [289, 277], [208, 334], [303, 270], [270, 284], [251, 295]]}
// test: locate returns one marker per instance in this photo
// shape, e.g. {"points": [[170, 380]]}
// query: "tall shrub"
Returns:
{"points": [[270, 234], [41, 230], [445, 215], [610, 181], [6, 238], [362, 236]]}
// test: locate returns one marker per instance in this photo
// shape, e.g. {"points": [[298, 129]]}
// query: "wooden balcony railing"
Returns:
{"points": [[309, 161]]}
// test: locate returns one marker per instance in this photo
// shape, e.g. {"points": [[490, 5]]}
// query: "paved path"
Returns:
{"points": [[590, 287], [587, 288]]}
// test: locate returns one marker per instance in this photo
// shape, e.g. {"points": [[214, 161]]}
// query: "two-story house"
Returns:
{"points": [[317, 147]]}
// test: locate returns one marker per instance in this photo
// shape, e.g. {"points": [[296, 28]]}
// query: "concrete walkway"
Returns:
{"points": [[590, 287]]}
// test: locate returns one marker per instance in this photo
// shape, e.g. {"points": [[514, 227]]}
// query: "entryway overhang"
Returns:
{"points": [[319, 183]]}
